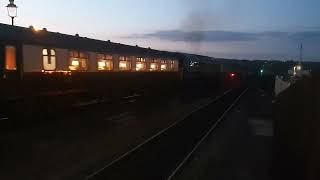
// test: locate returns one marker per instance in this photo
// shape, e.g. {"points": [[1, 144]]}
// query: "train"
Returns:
{"points": [[35, 64]]}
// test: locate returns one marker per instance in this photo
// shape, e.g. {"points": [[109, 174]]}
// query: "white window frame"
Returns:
{"points": [[49, 59]]}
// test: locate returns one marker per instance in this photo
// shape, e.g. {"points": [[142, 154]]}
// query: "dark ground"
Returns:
{"points": [[265, 138], [159, 157], [262, 138], [297, 123], [241, 148], [75, 145]]}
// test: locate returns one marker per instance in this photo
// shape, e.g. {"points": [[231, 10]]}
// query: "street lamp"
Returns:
{"points": [[12, 10]]}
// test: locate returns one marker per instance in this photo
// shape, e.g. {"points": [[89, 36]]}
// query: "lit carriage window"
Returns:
{"points": [[78, 61], [52, 52], [105, 62], [11, 59], [163, 66], [154, 66], [124, 63], [49, 59], [45, 52], [141, 64]]}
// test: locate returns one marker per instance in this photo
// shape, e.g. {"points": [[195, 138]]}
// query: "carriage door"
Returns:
{"points": [[10, 62]]}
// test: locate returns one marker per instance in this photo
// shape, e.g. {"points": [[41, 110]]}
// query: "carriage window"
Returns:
{"points": [[11, 59], [49, 59], [164, 66], [124, 64], [45, 52], [105, 62], [53, 52], [78, 61], [141, 64], [173, 65], [154, 65]]}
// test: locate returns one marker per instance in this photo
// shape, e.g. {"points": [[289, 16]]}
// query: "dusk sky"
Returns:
{"points": [[252, 29]]}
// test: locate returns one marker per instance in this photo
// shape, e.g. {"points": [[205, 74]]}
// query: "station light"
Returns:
{"points": [[232, 75], [299, 68], [12, 10]]}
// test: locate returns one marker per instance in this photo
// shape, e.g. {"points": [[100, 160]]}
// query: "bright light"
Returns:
{"points": [[140, 66], [232, 75], [45, 52], [35, 29], [75, 63], [163, 67], [299, 67], [105, 65], [123, 65], [55, 72], [153, 67], [102, 64]]}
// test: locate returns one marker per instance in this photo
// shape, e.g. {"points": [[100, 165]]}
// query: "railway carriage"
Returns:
{"points": [[42, 61], [38, 65]]}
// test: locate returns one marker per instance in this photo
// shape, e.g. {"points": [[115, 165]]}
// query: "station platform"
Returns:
{"points": [[297, 145]]}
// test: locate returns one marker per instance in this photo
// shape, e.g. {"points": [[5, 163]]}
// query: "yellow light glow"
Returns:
{"points": [[153, 67], [163, 67], [55, 72], [75, 63], [140, 66], [102, 64], [105, 65], [36, 29], [123, 65], [72, 68], [10, 58]]}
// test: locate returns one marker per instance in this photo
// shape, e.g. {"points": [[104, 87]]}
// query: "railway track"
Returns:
{"points": [[164, 154]]}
